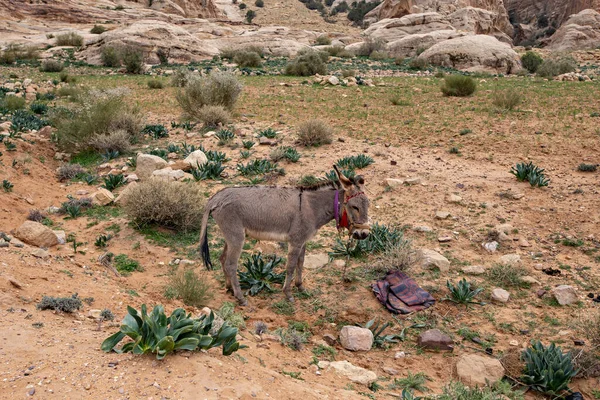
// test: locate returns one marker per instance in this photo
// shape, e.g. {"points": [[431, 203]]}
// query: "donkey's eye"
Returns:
{"points": [[355, 208]]}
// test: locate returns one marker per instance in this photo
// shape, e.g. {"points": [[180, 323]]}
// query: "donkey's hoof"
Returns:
{"points": [[243, 302], [301, 288], [290, 299]]}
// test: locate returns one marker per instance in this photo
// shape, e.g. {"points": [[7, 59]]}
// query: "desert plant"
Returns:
{"points": [[214, 116], [69, 39], [170, 204], [35, 215], [69, 171], [133, 59], [547, 369], [60, 304], [583, 167], [217, 89], [323, 40], [531, 61], [285, 153], [458, 85], [118, 141], [531, 173], [247, 59], [292, 338], [155, 333], [163, 55], [256, 167], [111, 182], [314, 132], [412, 382], [355, 162], [260, 274], [7, 185], [242, 6], [102, 241], [507, 99], [181, 77], [23, 120], [499, 391], [463, 292], [215, 156], [156, 131], [98, 29], [193, 290], [379, 55], [359, 9], [382, 239], [553, 67], [208, 170], [507, 276], [73, 207], [225, 136], [248, 144], [110, 56], [306, 64], [260, 327], [250, 15], [13, 103], [332, 176], [155, 83], [308, 180], [380, 340], [268, 133], [125, 265], [38, 108], [52, 66]]}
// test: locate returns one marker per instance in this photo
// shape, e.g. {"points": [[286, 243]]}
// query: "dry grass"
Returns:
{"points": [[174, 205], [217, 89], [314, 132], [193, 290], [214, 116], [69, 39], [118, 140], [507, 99]]}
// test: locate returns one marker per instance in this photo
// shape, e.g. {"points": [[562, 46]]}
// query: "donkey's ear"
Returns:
{"points": [[346, 183]]}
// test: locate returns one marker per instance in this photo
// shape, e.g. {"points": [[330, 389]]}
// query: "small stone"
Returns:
{"points": [[504, 228], [513, 343], [265, 141], [14, 282], [270, 338], [355, 338], [476, 370], [329, 339], [87, 386], [540, 293], [81, 192], [423, 228], [390, 371], [31, 392], [491, 247], [434, 339], [352, 372], [444, 239], [531, 280], [442, 214], [196, 158], [392, 182], [577, 342], [510, 259], [500, 295], [339, 263], [102, 197], [565, 294], [473, 270], [3, 243], [524, 243], [412, 181], [94, 314], [432, 259], [332, 80], [61, 236], [131, 178], [399, 354], [315, 261], [454, 199], [40, 253], [538, 267]]}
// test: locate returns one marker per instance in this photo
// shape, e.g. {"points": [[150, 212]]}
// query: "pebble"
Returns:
{"points": [[513, 343], [444, 239], [400, 354], [422, 228], [442, 214], [491, 246]]}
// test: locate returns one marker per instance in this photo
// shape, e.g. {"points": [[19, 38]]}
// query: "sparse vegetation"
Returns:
{"points": [[60, 304], [192, 289], [110, 56], [463, 293], [554, 67], [412, 382], [208, 170], [52, 66], [531, 61], [506, 99], [260, 274], [307, 64], [111, 182], [323, 40], [7, 185], [98, 29], [155, 83], [583, 167], [69, 39], [314, 132], [531, 173], [247, 59], [458, 86], [506, 276]]}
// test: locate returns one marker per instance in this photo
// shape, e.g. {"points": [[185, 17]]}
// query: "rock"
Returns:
{"points": [[412, 181], [62, 156], [355, 338], [61, 236], [206, 311], [454, 199], [131, 178], [36, 234], [434, 339], [352, 372], [339, 264], [433, 259], [580, 31], [181, 164], [390, 371], [514, 342], [146, 164], [531, 280], [14, 282], [196, 158], [444, 239], [94, 314], [565, 294], [504, 228], [524, 243], [330, 339], [399, 354], [265, 141], [500, 295], [102, 197], [476, 370], [411, 45], [314, 261], [391, 29], [40, 253], [474, 53], [442, 214], [491, 246], [510, 259], [332, 80], [3, 243], [122, 197], [270, 338], [423, 228], [392, 182], [169, 174], [45, 132], [474, 270]]}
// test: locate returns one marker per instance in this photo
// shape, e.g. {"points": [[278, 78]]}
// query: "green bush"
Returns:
{"points": [[7, 58], [250, 15], [38, 108], [156, 131], [13, 103], [174, 205], [358, 10], [314, 132], [111, 182], [531, 61], [98, 29], [216, 89], [52, 66], [155, 83], [547, 369], [186, 285], [133, 59], [257, 167], [418, 64], [69, 39], [23, 120], [247, 59], [125, 265], [155, 333], [379, 55], [208, 170], [15, 52], [323, 40], [242, 6], [214, 116], [552, 68], [458, 85], [110, 56], [583, 167], [260, 274], [531, 173], [306, 64]]}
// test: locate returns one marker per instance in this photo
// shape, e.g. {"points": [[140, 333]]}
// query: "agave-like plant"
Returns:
{"points": [[547, 369], [159, 334], [355, 162], [463, 292], [260, 274], [208, 170], [111, 182], [531, 173], [380, 340]]}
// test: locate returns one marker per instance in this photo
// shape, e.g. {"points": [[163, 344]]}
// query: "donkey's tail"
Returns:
{"points": [[204, 251]]}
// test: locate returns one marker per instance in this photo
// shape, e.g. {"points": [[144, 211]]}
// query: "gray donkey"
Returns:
{"points": [[283, 214]]}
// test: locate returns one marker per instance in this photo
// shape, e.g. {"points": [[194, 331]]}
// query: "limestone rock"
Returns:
{"points": [[333, 80], [102, 197], [434, 339], [475, 53], [196, 158], [122, 197], [412, 181], [169, 174], [36, 234], [314, 261], [352, 372], [500, 295], [565, 294], [390, 29], [580, 31], [423, 228], [476, 370], [146, 164], [453, 198], [510, 259], [355, 338], [62, 236], [40, 253], [531, 280], [442, 214], [433, 259], [473, 270], [411, 45]]}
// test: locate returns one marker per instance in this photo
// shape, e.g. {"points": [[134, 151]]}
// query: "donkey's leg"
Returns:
{"points": [[223, 260], [235, 242], [299, 269], [293, 256]]}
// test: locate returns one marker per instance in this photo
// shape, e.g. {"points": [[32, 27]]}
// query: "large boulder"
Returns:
{"points": [[355, 338], [474, 53], [36, 234], [476, 370], [391, 29], [565, 294], [412, 45], [196, 158], [581, 31], [480, 22], [146, 164]]}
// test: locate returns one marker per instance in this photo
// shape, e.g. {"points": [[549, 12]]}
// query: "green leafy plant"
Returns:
{"points": [[73, 207], [412, 382], [38, 108], [332, 176], [380, 340], [225, 136], [257, 167], [215, 156], [125, 265], [382, 238], [156, 131], [102, 241], [260, 274], [530, 172], [162, 153], [245, 154], [248, 144], [547, 369], [7, 185], [463, 292], [111, 182], [355, 162], [531, 61], [23, 120], [159, 334], [458, 86], [110, 155], [208, 170], [268, 133]]}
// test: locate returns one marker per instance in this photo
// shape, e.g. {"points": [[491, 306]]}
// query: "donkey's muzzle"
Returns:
{"points": [[360, 234]]}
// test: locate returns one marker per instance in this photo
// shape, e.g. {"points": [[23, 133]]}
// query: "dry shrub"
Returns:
{"points": [[169, 204], [507, 99], [314, 132], [308, 64], [323, 40], [110, 56], [552, 68], [119, 140], [181, 77], [369, 46], [396, 256], [35, 215], [247, 59], [69, 39], [458, 85], [216, 89], [379, 55], [587, 363], [67, 172], [155, 84], [213, 116], [52, 66], [590, 327], [190, 288], [512, 363]]}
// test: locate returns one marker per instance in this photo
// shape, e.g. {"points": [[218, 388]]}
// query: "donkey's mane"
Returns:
{"points": [[322, 184]]}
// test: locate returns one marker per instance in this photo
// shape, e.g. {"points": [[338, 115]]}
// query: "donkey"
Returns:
{"points": [[284, 214]]}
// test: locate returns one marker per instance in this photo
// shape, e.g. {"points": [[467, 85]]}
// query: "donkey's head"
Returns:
{"points": [[355, 206]]}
